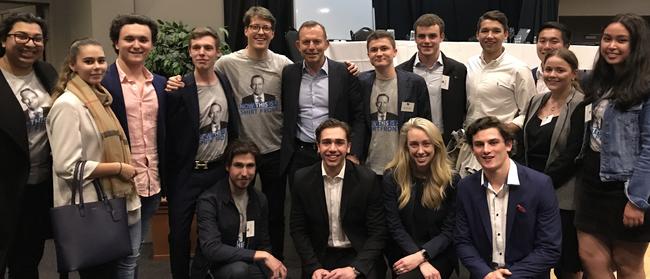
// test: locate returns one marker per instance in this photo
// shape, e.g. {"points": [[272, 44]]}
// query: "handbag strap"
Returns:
{"points": [[78, 181]]}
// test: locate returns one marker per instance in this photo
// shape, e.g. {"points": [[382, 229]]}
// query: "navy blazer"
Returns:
{"points": [[454, 98], [533, 229], [183, 122], [410, 88], [361, 214], [344, 104], [113, 84], [14, 151]]}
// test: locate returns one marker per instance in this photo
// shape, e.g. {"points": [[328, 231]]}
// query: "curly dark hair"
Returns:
{"points": [[121, 20]]}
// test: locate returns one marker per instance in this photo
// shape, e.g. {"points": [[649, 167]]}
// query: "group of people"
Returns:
{"points": [[548, 172]]}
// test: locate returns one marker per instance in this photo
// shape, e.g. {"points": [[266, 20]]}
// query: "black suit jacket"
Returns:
{"points": [[250, 99], [183, 122], [414, 227], [454, 99], [14, 151], [218, 225], [112, 82], [410, 88], [344, 104], [361, 214]]}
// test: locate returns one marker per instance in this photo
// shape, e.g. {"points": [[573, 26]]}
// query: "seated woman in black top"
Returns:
{"points": [[553, 132], [419, 201]]}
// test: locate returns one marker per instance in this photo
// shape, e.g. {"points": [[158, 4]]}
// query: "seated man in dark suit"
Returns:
{"points": [[233, 222], [337, 219], [504, 195], [258, 96]]}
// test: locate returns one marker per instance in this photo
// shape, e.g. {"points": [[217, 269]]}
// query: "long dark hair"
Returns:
{"points": [[631, 84]]}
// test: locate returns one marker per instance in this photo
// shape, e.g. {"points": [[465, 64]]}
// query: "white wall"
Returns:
{"points": [[72, 19], [603, 7]]}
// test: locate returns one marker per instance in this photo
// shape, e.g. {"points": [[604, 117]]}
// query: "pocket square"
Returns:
{"points": [[521, 208]]}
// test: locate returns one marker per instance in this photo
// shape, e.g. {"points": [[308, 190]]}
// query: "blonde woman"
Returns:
{"points": [[419, 198], [82, 127]]}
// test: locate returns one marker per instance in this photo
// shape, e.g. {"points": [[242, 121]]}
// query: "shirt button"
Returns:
{"points": [[498, 234], [497, 214], [500, 254]]}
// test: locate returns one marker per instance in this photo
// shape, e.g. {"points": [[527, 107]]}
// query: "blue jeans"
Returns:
{"points": [[126, 267], [148, 210]]}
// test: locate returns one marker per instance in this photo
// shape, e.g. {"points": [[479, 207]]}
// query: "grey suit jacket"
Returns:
{"points": [[561, 156]]}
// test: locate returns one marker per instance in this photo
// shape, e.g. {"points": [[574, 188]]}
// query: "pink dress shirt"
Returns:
{"points": [[141, 104]]}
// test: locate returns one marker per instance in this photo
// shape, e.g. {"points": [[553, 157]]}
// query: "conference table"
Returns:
{"points": [[460, 51]]}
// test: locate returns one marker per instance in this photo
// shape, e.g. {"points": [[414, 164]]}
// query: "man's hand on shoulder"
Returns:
{"points": [[500, 273], [352, 68], [174, 83]]}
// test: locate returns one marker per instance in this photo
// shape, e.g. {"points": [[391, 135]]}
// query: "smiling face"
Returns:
{"points": [[204, 53], [381, 53], [257, 84], [549, 39], [241, 170], [259, 40], [134, 44], [615, 43], [428, 39], [490, 149], [491, 36], [558, 74], [420, 148], [333, 146], [23, 56], [382, 103], [90, 64], [312, 44]]}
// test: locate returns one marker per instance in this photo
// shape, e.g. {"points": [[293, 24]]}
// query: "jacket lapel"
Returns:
{"points": [[12, 118], [349, 182], [191, 98], [480, 200], [514, 201], [335, 87], [402, 94]]}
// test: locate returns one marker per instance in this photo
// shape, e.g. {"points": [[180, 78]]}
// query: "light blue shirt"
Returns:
{"points": [[313, 102], [433, 78]]}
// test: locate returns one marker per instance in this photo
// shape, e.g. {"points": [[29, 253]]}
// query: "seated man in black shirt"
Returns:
{"points": [[233, 223]]}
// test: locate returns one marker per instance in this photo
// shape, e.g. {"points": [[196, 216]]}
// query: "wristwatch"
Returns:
{"points": [[356, 272], [425, 254]]}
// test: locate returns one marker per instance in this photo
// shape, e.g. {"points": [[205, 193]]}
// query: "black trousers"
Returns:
{"points": [[275, 189], [304, 155], [33, 229], [342, 257], [182, 206]]}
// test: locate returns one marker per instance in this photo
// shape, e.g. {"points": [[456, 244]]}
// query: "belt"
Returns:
{"points": [[207, 165], [306, 145]]}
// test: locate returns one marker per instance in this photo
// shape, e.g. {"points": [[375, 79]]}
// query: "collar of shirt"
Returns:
{"points": [[540, 72], [124, 78], [512, 179], [324, 69], [340, 175], [417, 63], [497, 60]]}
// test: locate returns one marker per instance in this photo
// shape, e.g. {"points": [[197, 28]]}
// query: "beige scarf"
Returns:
{"points": [[116, 147]]}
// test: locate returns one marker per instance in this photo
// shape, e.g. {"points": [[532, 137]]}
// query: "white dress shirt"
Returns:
{"points": [[499, 88], [541, 85], [333, 189], [498, 206], [433, 77]]}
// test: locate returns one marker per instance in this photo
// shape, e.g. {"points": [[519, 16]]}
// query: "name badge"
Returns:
{"points": [[445, 82], [250, 228], [408, 106], [587, 113]]}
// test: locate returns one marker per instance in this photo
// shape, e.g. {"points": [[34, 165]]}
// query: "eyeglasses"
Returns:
{"points": [[23, 38], [265, 28]]}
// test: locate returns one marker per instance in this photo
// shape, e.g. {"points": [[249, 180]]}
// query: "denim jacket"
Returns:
{"points": [[625, 150]]}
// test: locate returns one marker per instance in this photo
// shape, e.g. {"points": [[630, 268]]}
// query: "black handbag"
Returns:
{"points": [[89, 234]]}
